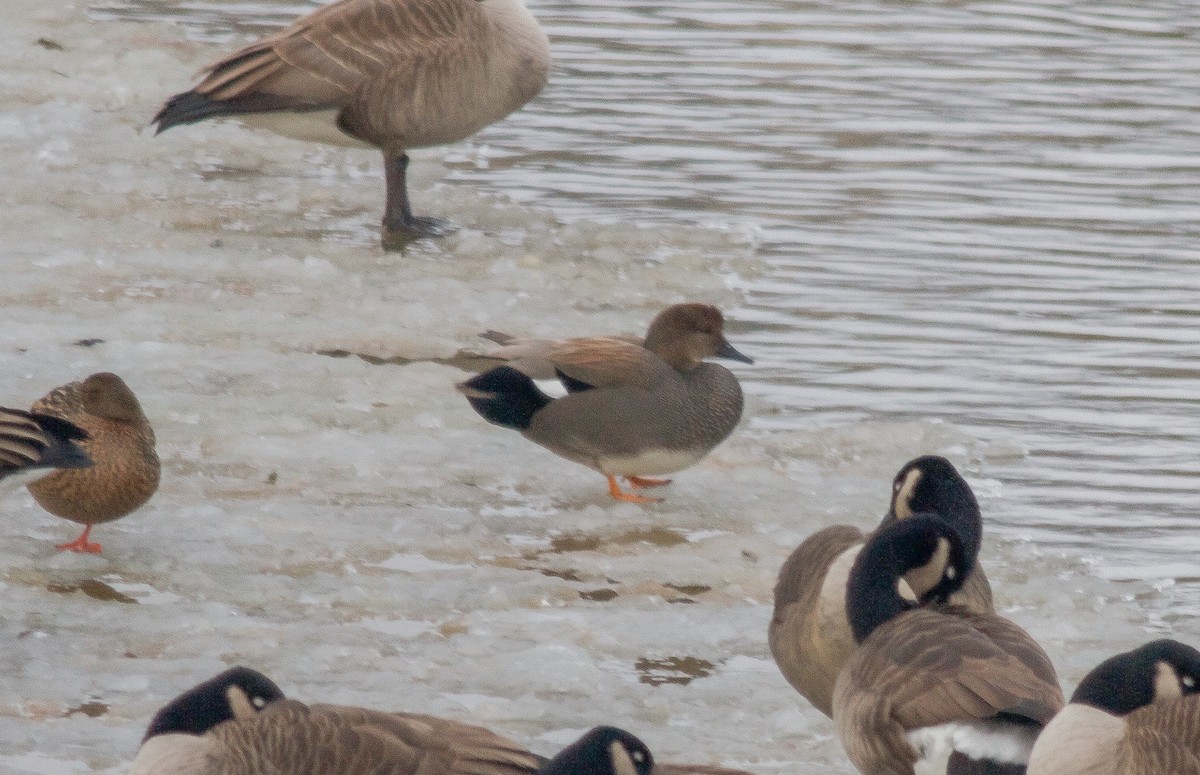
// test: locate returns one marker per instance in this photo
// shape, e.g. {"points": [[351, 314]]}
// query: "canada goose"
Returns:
{"points": [[809, 635], [388, 74], [1137, 713], [120, 443], [33, 445], [240, 723], [631, 411], [932, 682]]}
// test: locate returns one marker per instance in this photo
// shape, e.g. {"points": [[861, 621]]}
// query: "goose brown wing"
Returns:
{"points": [[808, 647], [290, 738], [324, 58], [439, 746], [938, 668], [604, 362], [1163, 738], [694, 769]]}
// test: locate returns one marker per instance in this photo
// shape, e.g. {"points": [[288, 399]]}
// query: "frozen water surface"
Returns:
{"points": [[967, 230]]}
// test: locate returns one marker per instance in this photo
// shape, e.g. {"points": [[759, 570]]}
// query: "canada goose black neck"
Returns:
{"points": [[208, 704], [931, 484], [1134, 679], [602, 751], [872, 596], [504, 396]]}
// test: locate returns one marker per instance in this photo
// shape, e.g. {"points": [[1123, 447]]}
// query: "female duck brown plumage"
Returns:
{"points": [[634, 411], [120, 443]]}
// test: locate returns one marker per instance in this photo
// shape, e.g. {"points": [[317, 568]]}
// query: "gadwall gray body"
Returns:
{"points": [[240, 723], [120, 443], [929, 681], [388, 74], [631, 411], [1137, 713], [809, 634], [33, 445]]}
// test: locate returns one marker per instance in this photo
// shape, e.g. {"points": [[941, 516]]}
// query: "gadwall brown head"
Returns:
{"points": [[631, 411], [120, 443], [388, 74]]}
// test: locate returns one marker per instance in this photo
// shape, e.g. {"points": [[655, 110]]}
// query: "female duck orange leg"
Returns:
{"points": [[81, 544]]}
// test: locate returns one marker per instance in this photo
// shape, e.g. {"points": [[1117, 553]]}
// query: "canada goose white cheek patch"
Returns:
{"points": [[904, 493], [993, 740], [621, 763], [1166, 683]]}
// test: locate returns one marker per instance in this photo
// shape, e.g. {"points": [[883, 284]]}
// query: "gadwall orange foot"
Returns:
{"points": [[120, 443], [388, 74], [631, 410]]}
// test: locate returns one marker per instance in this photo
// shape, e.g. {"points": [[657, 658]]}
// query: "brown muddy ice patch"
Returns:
{"points": [[672, 670], [656, 536], [93, 709], [93, 588], [464, 360]]}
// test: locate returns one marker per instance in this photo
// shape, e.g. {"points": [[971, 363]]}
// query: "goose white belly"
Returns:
{"points": [[315, 126], [995, 740]]}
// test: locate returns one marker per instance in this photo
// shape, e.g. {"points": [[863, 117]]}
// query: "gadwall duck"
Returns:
{"points": [[809, 633], [1137, 713], [634, 411], [119, 442], [388, 74], [933, 684], [240, 723], [33, 445]]}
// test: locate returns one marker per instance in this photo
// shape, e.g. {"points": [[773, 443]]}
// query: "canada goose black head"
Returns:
{"points": [[931, 484], [1159, 671], [236, 693], [602, 751], [921, 543]]}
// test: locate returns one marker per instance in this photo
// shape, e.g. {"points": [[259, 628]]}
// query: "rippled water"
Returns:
{"points": [[984, 213]]}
